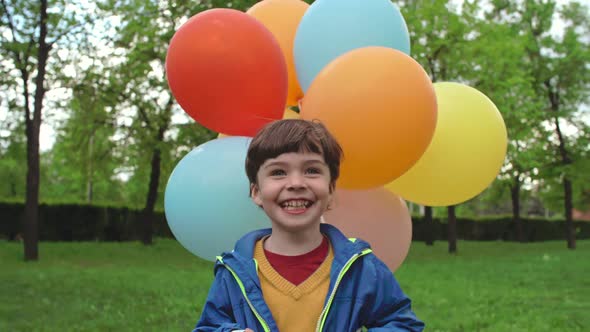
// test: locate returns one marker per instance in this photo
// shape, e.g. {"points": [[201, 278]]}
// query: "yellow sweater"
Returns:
{"points": [[294, 308]]}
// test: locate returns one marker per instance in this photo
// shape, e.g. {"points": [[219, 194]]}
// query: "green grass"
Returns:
{"points": [[488, 286]]}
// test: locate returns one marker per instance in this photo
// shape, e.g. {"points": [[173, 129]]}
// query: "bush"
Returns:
{"points": [[79, 222], [498, 228]]}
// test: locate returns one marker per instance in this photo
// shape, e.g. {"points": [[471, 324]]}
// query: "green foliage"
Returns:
{"points": [[13, 168], [438, 36], [89, 173], [497, 57], [495, 200], [143, 36], [537, 80], [559, 68], [487, 286], [152, 127]]}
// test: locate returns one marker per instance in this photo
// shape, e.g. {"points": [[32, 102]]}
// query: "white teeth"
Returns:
{"points": [[296, 204]]}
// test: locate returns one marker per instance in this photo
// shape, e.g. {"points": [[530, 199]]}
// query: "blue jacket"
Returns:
{"points": [[362, 292]]}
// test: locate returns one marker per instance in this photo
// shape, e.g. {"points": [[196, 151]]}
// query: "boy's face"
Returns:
{"points": [[294, 190]]}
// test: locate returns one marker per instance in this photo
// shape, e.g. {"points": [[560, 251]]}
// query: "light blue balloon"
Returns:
{"points": [[206, 203], [331, 28]]}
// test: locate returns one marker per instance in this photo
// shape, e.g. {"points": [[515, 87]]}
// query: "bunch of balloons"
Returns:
{"points": [[347, 64]]}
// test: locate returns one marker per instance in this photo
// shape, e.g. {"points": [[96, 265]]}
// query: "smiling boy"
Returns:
{"points": [[301, 275]]}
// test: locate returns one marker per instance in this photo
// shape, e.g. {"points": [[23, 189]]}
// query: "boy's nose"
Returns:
{"points": [[296, 181]]}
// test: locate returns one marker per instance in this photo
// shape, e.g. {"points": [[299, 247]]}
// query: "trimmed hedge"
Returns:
{"points": [[74, 222], [499, 229]]}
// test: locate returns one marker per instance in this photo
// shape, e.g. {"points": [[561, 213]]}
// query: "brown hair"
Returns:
{"points": [[293, 135]]}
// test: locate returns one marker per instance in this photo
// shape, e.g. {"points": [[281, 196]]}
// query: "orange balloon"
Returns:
{"points": [[227, 71], [282, 18], [376, 216], [380, 105]]}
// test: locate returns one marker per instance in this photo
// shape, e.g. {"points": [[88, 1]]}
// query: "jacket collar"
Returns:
{"points": [[241, 258]]}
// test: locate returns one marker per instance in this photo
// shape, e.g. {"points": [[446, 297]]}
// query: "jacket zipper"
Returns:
{"points": [[324, 314], [260, 319]]}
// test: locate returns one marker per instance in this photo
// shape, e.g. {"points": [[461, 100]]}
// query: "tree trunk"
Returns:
{"points": [[429, 225], [148, 211], [515, 195], [569, 224], [565, 160], [147, 219], [452, 229], [90, 174], [31, 215]]}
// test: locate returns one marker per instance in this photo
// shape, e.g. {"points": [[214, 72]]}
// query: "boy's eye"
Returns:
{"points": [[277, 172], [313, 170]]}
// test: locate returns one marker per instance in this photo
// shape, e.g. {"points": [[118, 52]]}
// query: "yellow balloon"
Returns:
{"points": [[282, 18], [466, 152]]}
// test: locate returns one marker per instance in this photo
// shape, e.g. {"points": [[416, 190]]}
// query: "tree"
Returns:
{"points": [[499, 73], [147, 28], [438, 35], [30, 32], [561, 77], [83, 160]]}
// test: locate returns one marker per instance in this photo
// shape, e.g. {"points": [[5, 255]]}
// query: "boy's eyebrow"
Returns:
{"points": [[274, 163], [314, 161], [282, 163]]}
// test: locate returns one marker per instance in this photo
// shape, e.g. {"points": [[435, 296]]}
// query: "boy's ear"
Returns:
{"points": [[255, 194], [330, 201], [332, 187]]}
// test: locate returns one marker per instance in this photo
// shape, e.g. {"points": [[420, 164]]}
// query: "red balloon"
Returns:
{"points": [[227, 71]]}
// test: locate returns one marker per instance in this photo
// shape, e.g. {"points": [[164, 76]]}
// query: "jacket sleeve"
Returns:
{"points": [[217, 314], [391, 310]]}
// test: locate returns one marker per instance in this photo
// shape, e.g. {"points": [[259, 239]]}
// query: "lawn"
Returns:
{"points": [[488, 286]]}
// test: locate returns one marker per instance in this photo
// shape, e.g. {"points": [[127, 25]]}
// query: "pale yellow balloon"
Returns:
{"points": [[220, 135], [290, 114], [466, 152]]}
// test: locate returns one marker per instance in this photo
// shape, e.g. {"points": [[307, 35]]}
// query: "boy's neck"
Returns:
{"points": [[293, 243]]}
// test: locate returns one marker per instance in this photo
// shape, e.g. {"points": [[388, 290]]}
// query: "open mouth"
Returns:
{"points": [[296, 204]]}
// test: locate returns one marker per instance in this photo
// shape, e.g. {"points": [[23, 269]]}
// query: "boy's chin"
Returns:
{"points": [[294, 226]]}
